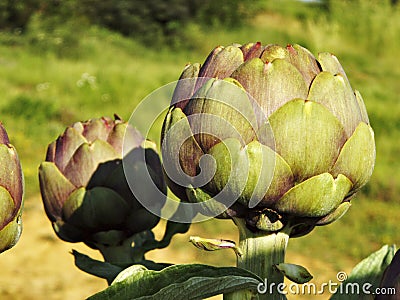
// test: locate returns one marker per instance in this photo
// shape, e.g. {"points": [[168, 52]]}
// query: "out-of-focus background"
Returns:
{"points": [[66, 61]]}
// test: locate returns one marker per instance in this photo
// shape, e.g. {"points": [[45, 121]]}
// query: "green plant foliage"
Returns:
{"points": [[15, 15], [149, 21], [32, 109], [227, 13], [95, 267], [367, 274], [177, 282]]}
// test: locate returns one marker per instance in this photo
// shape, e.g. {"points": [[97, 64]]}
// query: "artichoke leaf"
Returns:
{"points": [[335, 215], [7, 207], [315, 197], [232, 170], [308, 137], [331, 64], [141, 220], [68, 232], [363, 109], [272, 52], [208, 205], [271, 84], [177, 138], [94, 209], [282, 179], [221, 109], [66, 145], [11, 173], [251, 174], [221, 63], [334, 92], [96, 129], [141, 179], [55, 189], [357, 157], [251, 50], [124, 138], [86, 160], [304, 61], [185, 87], [9, 235], [3, 135]]}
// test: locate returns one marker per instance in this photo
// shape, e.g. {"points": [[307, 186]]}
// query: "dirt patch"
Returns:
{"points": [[41, 266]]}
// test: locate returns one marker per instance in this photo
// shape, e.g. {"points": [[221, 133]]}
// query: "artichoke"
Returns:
{"points": [[11, 193], [85, 192], [289, 140]]}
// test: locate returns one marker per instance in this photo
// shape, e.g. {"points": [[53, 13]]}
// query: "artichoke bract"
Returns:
{"points": [[85, 192], [11, 193], [282, 131]]}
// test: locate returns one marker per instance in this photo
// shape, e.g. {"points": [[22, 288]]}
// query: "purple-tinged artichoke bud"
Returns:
{"points": [[83, 184], [282, 132], [11, 193]]}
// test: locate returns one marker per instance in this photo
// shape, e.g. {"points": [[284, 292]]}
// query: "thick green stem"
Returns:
{"points": [[122, 255], [261, 253]]}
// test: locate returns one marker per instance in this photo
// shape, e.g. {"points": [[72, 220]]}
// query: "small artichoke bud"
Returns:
{"points": [[295, 273], [83, 184], [268, 129], [11, 193]]}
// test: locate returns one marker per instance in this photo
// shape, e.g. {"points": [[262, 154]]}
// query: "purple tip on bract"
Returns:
{"points": [[3, 135]]}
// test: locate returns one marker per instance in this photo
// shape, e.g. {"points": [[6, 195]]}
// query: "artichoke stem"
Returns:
{"points": [[123, 255], [261, 253]]}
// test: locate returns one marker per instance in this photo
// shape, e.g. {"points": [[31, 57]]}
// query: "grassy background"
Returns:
{"points": [[48, 81]]}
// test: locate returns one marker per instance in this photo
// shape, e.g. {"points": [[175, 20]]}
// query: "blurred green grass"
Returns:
{"points": [[42, 92]]}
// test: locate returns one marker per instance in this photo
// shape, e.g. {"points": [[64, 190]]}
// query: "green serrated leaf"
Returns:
{"points": [[368, 272], [96, 267], [180, 282]]}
